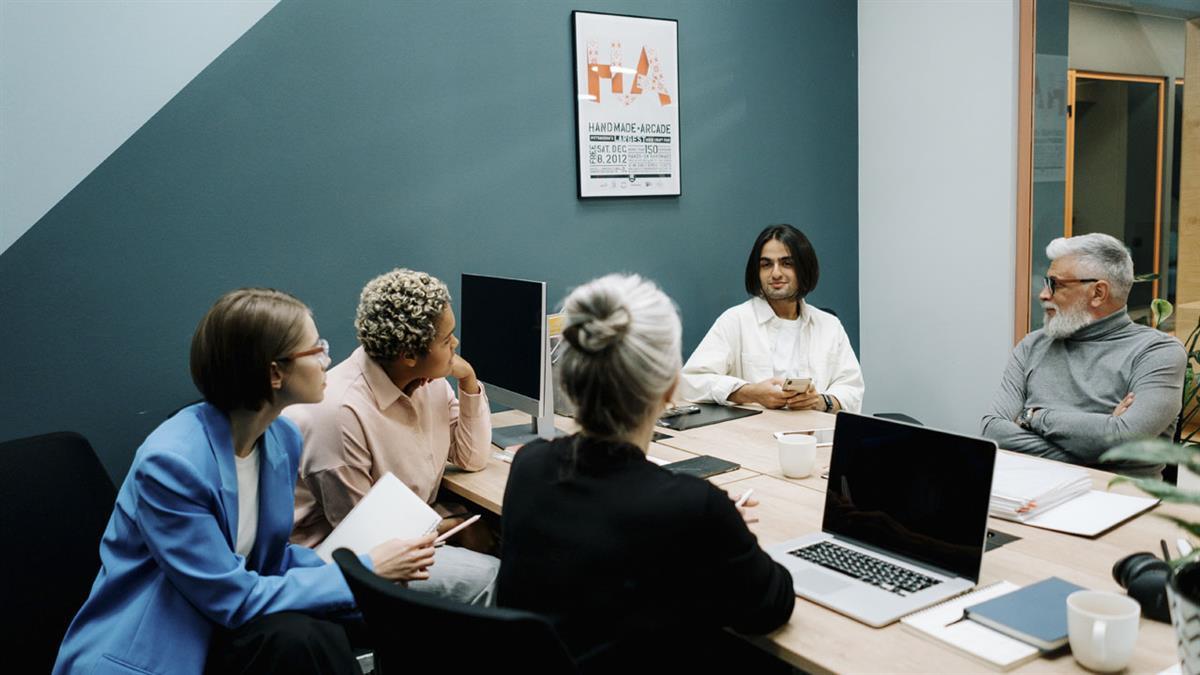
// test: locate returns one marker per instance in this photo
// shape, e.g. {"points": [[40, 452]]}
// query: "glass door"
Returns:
{"points": [[1114, 166]]}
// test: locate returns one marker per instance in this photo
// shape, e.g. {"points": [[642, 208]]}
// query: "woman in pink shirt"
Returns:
{"points": [[388, 408]]}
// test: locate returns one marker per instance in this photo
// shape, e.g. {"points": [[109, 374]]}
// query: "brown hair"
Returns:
{"points": [[236, 341]]}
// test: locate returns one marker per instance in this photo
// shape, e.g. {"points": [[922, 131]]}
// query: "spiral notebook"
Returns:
{"points": [[945, 623]]}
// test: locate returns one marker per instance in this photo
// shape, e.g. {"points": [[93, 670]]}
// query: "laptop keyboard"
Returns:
{"points": [[889, 577]]}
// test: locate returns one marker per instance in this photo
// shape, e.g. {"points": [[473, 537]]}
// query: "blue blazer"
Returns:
{"points": [[168, 571]]}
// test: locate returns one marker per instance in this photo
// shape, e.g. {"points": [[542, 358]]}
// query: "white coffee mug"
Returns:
{"points": [[797, 454], [1102, 628]]}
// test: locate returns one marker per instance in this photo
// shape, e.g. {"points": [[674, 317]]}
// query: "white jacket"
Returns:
{"points": [[739, 348]]}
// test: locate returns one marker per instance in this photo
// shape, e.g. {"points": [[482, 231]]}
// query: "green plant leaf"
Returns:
{"points": [[1160, 310], [1192, 528], [1157, 451], [1159, 489], [1139, 278], [1186, 560]]}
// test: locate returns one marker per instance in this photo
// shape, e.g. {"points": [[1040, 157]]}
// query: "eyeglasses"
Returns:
{"points": [[322, 348], [1054, 283]]}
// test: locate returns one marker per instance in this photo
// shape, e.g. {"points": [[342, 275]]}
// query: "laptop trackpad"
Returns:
{"points": [[818, 582]]}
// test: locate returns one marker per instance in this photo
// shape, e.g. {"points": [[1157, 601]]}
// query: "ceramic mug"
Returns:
{"points": [[1102, 628], [797, 454]]}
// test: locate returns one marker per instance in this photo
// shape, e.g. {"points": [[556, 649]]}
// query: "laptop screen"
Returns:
{"points": [[911, 491]]}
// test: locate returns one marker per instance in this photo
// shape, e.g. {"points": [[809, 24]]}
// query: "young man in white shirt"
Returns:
{"points": [[753, 347]]}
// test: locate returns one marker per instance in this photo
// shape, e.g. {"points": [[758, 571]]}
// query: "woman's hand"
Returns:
{"points": [[743, 508], [404, 559]]}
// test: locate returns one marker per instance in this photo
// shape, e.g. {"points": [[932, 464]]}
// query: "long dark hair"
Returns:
{"points": [[808, 271]]}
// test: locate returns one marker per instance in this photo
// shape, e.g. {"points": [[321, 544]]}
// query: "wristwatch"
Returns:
{"points": [[828, 402], [1025, 419]]}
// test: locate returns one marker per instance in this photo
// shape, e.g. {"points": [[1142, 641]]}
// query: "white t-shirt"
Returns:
{"points": [[247, 476], [749, 343], [788, 358]]}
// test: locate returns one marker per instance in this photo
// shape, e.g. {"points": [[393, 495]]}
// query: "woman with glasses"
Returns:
{"points": [[625, 556], [196, 570]]}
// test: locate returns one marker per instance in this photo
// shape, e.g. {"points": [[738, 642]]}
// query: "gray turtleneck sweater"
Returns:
{"points": [[1076, 383]]}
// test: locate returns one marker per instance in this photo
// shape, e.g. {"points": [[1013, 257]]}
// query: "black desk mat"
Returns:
{"points": [[996, 539], [710, 413]]}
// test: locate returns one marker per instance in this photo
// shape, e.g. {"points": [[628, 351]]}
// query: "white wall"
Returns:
{"points": [[78, 77], [1115, 41], [937, 99]]}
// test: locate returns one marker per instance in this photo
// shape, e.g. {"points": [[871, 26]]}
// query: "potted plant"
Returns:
{"points": [[1183, 585]]}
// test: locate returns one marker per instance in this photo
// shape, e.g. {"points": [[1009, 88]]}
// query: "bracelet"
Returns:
{"points": [[828, 402]]}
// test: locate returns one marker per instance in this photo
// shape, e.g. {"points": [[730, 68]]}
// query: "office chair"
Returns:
{"points": [[899, 417], [54, 506], [418, 632]]}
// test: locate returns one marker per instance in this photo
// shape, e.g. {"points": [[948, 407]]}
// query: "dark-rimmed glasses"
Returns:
{"points": [[1054, 283], [321, 348]]}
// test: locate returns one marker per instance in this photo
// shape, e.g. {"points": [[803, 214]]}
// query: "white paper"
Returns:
{"points": [[1092, 513], [1024, 487], [627, 75], [389, 511]]}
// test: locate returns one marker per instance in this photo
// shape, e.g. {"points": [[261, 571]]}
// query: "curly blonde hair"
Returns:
{"points": [[398, 313]]}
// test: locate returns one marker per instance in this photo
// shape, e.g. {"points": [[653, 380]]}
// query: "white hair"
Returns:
{"points": [[622, 352], [1100, 256]]}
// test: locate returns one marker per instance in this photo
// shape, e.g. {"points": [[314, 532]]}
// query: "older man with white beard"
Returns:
{"points": [[1090, 378]]}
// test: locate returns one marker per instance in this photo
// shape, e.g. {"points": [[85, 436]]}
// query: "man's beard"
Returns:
{"points": [[1066, 320], [788, 292]]}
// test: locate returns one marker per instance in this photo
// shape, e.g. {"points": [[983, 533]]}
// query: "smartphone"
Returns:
{"points": [[797, 383]]}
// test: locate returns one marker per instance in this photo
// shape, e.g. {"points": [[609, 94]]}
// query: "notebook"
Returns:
{"points": [[1092, 513], [703, 466], [1036, 614], [943, 623], [389, 510]]}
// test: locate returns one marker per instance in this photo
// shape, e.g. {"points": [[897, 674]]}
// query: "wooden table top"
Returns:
{"points": [[821, 640]]}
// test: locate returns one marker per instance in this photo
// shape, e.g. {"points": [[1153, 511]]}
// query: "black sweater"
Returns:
{"points": [[616, 549]]}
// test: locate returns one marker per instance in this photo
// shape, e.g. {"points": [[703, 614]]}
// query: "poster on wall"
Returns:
{"points": [[626, 105]]}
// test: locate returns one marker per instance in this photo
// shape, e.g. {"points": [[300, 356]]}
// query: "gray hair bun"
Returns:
{"points": [[602, 326]]}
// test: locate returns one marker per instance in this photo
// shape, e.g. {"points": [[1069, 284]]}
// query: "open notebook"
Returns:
{"points": [[944, 623]]}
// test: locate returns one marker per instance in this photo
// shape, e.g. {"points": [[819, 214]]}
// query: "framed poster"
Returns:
{"points": [[626, 105]]}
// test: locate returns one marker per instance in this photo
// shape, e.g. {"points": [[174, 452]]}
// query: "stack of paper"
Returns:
{"points": [[1023, 488]]}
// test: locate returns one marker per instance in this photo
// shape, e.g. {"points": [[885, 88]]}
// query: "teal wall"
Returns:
{"points": [[335, 141]]}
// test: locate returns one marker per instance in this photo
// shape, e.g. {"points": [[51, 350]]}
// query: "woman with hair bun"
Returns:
{"points": [[619, 552]]}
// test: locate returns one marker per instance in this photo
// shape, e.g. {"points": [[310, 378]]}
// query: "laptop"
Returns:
{"points": [[905, 520]]}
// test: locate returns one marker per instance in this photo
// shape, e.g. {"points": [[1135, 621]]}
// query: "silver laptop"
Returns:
{"points": [[905, 520]]}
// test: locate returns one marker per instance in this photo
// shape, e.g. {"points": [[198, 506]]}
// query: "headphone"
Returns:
{"points": [[1144, 577]]}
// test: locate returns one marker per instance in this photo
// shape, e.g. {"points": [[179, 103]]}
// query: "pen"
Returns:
{"points": [[1166, 551], [454, 530], [745, 496]]}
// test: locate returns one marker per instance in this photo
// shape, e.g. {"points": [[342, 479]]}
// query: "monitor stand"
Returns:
{"points": [[520, 434]]}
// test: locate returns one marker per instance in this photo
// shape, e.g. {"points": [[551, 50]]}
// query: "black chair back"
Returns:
{"points": [[54, 506], [413, 632], [899, 417]]}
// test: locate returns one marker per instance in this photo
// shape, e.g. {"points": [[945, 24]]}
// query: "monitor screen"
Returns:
{"points": [[912, 491], [501, 329]]}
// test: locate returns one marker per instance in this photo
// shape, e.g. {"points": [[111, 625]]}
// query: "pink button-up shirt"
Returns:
{"points": [[366, 427]]}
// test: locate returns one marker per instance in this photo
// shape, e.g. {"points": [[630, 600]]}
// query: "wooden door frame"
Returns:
{"points": [[1073, 75]]}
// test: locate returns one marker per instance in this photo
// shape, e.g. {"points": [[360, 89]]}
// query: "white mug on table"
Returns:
{"points": [[797, 454], [1102, 628]]}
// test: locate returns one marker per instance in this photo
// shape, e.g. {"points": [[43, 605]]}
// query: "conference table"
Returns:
{"points": [[817, 639]]}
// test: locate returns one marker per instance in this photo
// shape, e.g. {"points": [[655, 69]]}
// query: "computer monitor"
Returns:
{"points": [[504, 336]]}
